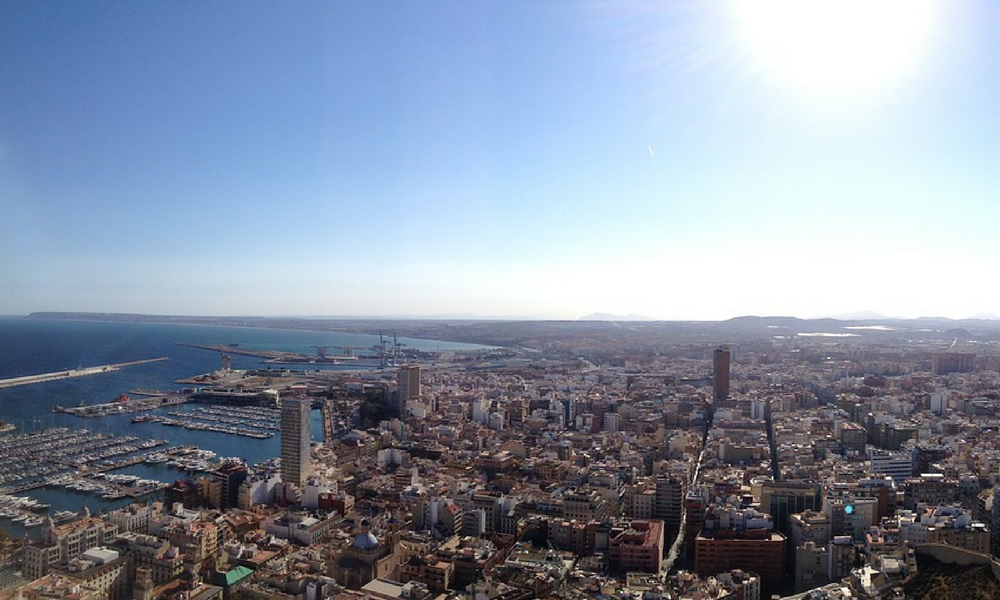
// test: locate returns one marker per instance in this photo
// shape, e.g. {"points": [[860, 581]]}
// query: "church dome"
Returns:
{"points": [[366, 541]]}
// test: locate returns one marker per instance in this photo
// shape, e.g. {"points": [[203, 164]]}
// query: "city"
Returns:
{"points": [[794, 465], [472, 300]]}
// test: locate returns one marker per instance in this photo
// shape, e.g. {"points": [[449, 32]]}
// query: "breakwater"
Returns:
{"points": [[82, 372]]}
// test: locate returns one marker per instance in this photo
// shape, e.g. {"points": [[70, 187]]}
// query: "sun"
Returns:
{"points": [[851, 46]]}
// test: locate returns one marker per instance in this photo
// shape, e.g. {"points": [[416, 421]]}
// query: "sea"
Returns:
{"points": [[30, 346]]}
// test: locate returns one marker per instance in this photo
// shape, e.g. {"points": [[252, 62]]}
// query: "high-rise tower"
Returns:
{"points": [[408, 386], [295, 440], [720, 372]]}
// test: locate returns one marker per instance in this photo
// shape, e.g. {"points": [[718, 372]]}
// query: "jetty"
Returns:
{"points": [[81, 372]]}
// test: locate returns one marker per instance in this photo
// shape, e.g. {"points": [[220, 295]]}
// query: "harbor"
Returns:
{"points": [[49, 445]]}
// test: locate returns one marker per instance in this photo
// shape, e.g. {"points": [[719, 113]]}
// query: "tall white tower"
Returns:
{"points": [[295, 425]]}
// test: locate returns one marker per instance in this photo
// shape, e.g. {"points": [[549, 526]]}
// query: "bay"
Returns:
{"points": [[34, 346]]}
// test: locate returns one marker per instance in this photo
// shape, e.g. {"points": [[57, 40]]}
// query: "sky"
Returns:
{"points": [[691, 159]]}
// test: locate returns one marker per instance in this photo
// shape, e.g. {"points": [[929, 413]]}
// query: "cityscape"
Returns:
{"points": [[746, 459], [469, 300]]}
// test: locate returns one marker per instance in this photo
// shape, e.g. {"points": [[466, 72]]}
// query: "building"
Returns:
{"points": [[898, 465], [950, 525], [694, 510], [227, 480], [720, 372], [669, 501], [840, 557], [932, 489], [810, 526], [943, 363], [811, 564], [738, 538], [761, 551], [639, 502], [638, 547], [162, 560], [407, 386], [584, 505], [850, 516], [185, 492], [303, 528], [57, 586], [131, 518], [365, 559], [577, 537], [612, 422], [102, 569], [853, 438], [781, 499], [295, 429], [64, 543]]}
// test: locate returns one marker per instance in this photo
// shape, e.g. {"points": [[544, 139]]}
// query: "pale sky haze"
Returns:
{"points": [[691, 159]]}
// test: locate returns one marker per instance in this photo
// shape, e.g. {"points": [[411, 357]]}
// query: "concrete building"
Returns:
{"points": [[809, 526], [638, 547], [102, 569], [781, 499], [898, 465], [735, 538], [761, 551], [932, 489], [669, 501], [811, 563], [227, 479], [720, 372], [407, 386], [295, 429], [943, 363], [64, 543]]}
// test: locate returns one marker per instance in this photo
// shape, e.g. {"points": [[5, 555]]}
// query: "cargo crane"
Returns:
{"points": [[382, 358]]}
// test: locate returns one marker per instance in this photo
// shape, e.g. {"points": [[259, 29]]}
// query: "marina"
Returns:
{"points": [[28, 460], [259, 423]]}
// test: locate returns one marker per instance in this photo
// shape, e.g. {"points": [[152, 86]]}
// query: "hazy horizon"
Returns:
{"points": [[678, 161], [847, 317]]}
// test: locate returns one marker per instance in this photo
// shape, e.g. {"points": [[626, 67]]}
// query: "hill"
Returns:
{"points": [[941, 581]]}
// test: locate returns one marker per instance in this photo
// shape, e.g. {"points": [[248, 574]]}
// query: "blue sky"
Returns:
{"points": [[502, 159]]}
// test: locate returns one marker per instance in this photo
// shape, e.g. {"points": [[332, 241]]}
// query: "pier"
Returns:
{"points": [[121, 407], [83, 372]]}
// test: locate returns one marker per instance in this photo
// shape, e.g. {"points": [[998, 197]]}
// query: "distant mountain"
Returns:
{"points": [[862, 315], [986, 317], [610, 317]]}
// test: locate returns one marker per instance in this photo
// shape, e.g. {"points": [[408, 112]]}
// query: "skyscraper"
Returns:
{"points": [[295, 440], [408, 385], [720, 372]]}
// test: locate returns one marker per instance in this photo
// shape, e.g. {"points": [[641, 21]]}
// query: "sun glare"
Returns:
{"points": [[851, 46]]}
